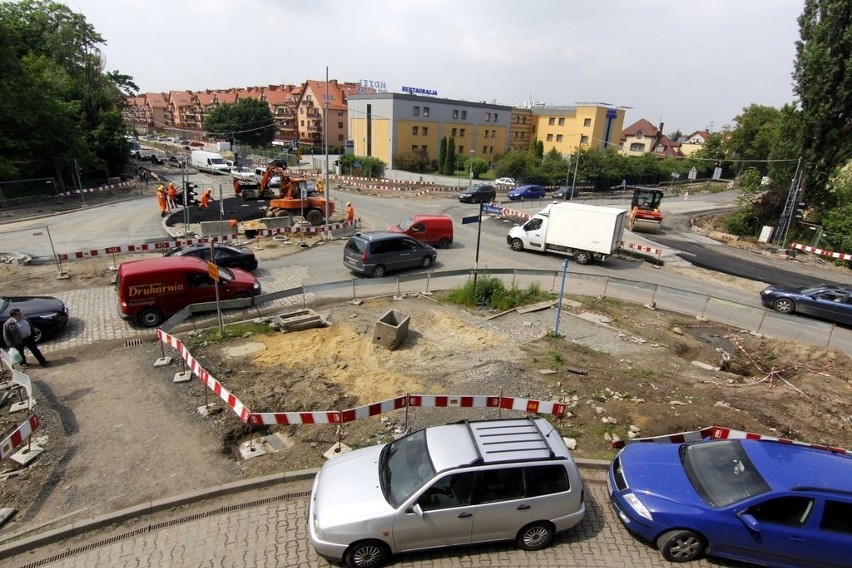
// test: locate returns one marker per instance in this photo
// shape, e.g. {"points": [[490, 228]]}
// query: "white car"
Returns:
{"points": [[505, 182]]}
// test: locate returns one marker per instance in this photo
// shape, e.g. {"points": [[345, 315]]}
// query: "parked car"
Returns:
{"points": [[451, 485], [375, 254], [159, 158], [526, 192], [435, 230], [144, 154], [196, 144], [832, 303], [760, 501], [46, 314], [505, 182], [176, 162], [478, 194], [225, 255], [566, 192]]}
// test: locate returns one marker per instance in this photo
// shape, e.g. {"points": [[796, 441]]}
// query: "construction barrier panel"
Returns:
{"points": [[17, 438]]}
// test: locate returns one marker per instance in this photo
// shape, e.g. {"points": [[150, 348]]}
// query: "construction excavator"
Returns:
{"points": [[294, 196], [645, 214]]}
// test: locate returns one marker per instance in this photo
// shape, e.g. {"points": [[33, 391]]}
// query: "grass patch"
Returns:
{"points": [[641, 374], [490, 292], [212, 335]]}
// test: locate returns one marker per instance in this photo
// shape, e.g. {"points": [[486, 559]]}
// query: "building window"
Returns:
{"points": [[340, 113], [414, 148], [464, 115], [550, 137], [425, 131], [454, 133], [551, 121], [425, 111], [495, 117], [584, 139], [416, 111], [455, 114], [659, 149], [637, 147], [485, 149], [340, 125], [461, 151], [587, 122], [423, 149], [487, 117], [559, 138], [561, 122], [639, 135], [414, 130], [340, 137], [461, 132], [301, 123]]}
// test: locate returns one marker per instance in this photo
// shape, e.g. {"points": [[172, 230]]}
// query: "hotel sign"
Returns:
{"points": [[368, 86]]}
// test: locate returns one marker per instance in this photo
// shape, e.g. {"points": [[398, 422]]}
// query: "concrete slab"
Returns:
{"points": [[245, 349], [208, 409], [336, 450], [277, 442], [182, 377], [26, 454], [6, 513], [22, 406], [163, 362], [252, 449]]}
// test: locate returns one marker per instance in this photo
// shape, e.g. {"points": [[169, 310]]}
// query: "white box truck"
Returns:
{"points": [[210, 162], [578, 230]]}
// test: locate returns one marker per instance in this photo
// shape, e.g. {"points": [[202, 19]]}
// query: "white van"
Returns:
{"points": [[210, 162]]}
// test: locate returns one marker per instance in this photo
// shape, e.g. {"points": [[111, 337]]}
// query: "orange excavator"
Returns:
{"points": [[645, 214], [295, 197]]}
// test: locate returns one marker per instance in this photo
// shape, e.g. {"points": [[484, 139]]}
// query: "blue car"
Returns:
{"points": [[832, 303], [767, 502], [526, 192]]}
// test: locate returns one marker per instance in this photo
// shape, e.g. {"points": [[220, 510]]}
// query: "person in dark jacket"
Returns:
{"points": [[18, 333]]}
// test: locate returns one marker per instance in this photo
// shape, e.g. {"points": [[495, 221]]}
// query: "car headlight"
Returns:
{"points": [[637, 506], [49, 316]]}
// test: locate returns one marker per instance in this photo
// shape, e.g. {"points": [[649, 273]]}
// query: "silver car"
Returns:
{"points": [[457, 484]]}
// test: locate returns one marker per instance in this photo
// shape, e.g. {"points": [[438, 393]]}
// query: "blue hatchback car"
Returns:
{"points": [[526, 192], [760, 501]]}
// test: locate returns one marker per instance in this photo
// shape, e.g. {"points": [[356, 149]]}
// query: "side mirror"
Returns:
{"points": [[417, 510], [750, 522]]}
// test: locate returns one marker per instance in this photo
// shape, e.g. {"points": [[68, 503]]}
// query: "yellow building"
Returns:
{"points": [[383, 125]]}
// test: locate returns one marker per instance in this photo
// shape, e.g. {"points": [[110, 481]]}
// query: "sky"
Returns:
{"points": [[690, 64]]}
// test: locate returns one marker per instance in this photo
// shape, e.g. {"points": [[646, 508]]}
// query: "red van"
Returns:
{"points": [[435, 230], [151, 290]]}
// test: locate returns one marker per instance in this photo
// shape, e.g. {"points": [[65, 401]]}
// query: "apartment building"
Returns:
{"points": [[565, 128], [386, 124]]}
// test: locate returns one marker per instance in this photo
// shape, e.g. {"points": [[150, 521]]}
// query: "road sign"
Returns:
{"points": [[491, 209], [213, 271], [473, 219]]}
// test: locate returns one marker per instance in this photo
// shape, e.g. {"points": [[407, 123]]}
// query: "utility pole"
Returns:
{"points": [[327, 186]]}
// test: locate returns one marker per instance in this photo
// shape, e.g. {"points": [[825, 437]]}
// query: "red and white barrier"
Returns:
{"points": [[119, 185], [722, 433], [16, 439], [506, 212], [822, 252], [642, 248]]}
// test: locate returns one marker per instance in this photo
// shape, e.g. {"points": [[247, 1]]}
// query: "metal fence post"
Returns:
{"points": [[704, 309], [760, 325]]}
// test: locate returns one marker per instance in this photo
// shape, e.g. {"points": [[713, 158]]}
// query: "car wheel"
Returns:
{"points": [[535, 536], [582, 257], [378, 271], [366, 554], [784, 305], [517, 245], [37, 334], [252, 266], [151, 317], [680, 545], [426, 262], [444, 244]]}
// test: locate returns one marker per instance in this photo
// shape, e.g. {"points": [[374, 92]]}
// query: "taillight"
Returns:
{"points": [[364, 257]]}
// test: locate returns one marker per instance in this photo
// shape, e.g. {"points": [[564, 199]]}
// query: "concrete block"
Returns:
{"points": [[22, 406], [183, 377], [208, 409], [215, 228], [336, 450], [26, 454], [391, 329], [252, 449], [163, 362]]}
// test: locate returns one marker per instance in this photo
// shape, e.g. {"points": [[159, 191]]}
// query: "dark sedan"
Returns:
{"points": [[832, 303], [226, 255], [566, 192], [478, 194], [526, 192], [46, 314]]}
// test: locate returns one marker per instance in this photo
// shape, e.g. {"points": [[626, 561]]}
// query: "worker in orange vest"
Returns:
{"points": [[205, 199], [161, 200], [350, 212], [172, 193]]}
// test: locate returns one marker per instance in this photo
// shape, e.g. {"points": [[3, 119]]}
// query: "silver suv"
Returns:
{"points": [[375, 254], [457, 484]]}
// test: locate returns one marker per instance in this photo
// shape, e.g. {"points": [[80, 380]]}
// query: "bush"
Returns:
{"points": [[743, 222], [491, 292]]}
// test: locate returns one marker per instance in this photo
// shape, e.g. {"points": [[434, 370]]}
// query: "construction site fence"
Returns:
{"points": [[698, 305]]}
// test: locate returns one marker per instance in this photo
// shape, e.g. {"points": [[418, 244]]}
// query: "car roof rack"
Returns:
{"points": [[498, 441]]}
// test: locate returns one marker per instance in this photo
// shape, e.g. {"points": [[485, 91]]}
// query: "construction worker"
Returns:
{"points": [[162, 200], [350, 212], [205, 199], [320, 186], [172, 193]]}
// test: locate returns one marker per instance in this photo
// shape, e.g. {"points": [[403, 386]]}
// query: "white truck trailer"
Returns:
{"points": [[572, 229], [210, 162]]}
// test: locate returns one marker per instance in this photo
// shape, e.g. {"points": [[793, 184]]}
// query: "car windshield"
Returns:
{"points": [[405, 225], [721, 472], [404, 467]]}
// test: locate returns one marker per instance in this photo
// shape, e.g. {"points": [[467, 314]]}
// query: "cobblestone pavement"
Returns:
{"points": [[272, 531]]}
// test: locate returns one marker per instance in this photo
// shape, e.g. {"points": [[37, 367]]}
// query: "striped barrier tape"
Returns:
{"points": [[722, 433], [822, 252], [14, 440], [119, 185]]}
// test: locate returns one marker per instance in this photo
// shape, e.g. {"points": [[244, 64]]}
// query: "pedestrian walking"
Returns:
{"points": [[172, 193], [205, 199], [350, 212], [18, 333], [162, 200]]}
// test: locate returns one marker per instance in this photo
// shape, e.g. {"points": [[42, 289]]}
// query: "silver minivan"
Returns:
{"points": [[375, 254], [450, 485]]}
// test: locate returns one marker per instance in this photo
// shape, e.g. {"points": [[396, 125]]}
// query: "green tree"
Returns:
{"points": [[248, 121], [450, 161], [823, 85], [785, 149], [837, 221], [442, 155], [754, 133]]}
